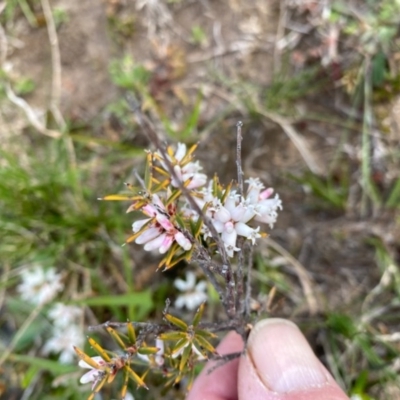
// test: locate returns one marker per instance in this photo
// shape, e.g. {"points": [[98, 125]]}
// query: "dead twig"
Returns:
{"points": [[30, 114]]}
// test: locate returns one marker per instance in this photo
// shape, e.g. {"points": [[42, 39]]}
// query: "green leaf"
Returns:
{"points": [[394, 197], [54, 367], [142, 299]]}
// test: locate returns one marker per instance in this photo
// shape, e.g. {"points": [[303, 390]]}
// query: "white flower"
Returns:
{"points": [[62, 341], [94, 375], [158, 357], [200, 355], [194, 294], [39, 285], [63, 315]]}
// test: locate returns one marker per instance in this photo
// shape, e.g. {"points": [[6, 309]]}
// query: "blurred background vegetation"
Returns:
{"points": [[316, 84]]}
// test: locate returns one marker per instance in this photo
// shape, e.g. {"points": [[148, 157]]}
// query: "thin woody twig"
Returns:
{"points": [[239, 139], [30, 114], [239, 273], [248, 281]]}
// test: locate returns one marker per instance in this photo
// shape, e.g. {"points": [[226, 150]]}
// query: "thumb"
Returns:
{"points": [[280, 365]]}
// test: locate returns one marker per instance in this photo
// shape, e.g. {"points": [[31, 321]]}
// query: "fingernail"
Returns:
{"points": [[283, 358]]}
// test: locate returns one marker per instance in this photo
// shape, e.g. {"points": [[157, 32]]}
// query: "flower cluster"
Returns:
{"points": [[39, 285], [231, 216], [173, 227], [66, 331]]}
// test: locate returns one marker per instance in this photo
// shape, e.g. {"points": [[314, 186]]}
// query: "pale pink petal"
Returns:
{"points": [[137, 225], [90, 376], [165, 222], [266, 193], [223, 214], [166, 244], [155, 243], [229, 238], [148, 235], [243, 229], [180, 151], [229, 227], [183, 241]]}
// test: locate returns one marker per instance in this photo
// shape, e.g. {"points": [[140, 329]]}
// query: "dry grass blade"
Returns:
{"points": [[299, 142], [304, 277]]}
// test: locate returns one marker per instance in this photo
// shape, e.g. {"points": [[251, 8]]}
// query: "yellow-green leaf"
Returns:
{"points": [[120, 197], [198, 315], [176, 321], [114, 334], [148, 350], [99, 350], [203, 343], [173, 336], [185, 356], [131, 333], [148, 171], [206, 334], [87, 359], [134, 376]]}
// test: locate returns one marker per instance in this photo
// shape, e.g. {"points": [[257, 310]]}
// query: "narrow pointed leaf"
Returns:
{"points": [[99, 350], [185, 356], [162, 185], [198, 315], [175, 261], [119, 197], [176, 321], [188, 156], [180, 221], [173, 197], [161, 171], [114, 334], [148, 350], [125, 384], [88, 360], [148, 171], [226, 192], [131, 334], [134, 376], [206, 334], [179, 346], [173, 336], [203, 343]]}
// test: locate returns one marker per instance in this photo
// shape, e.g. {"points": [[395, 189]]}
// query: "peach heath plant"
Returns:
{"points": [[186, 217]]}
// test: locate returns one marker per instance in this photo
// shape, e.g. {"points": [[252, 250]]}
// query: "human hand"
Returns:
{"points": [[279, 365]]}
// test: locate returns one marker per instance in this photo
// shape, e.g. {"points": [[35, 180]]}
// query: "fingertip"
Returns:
{"points": [[280, 365], [221, 383]]}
